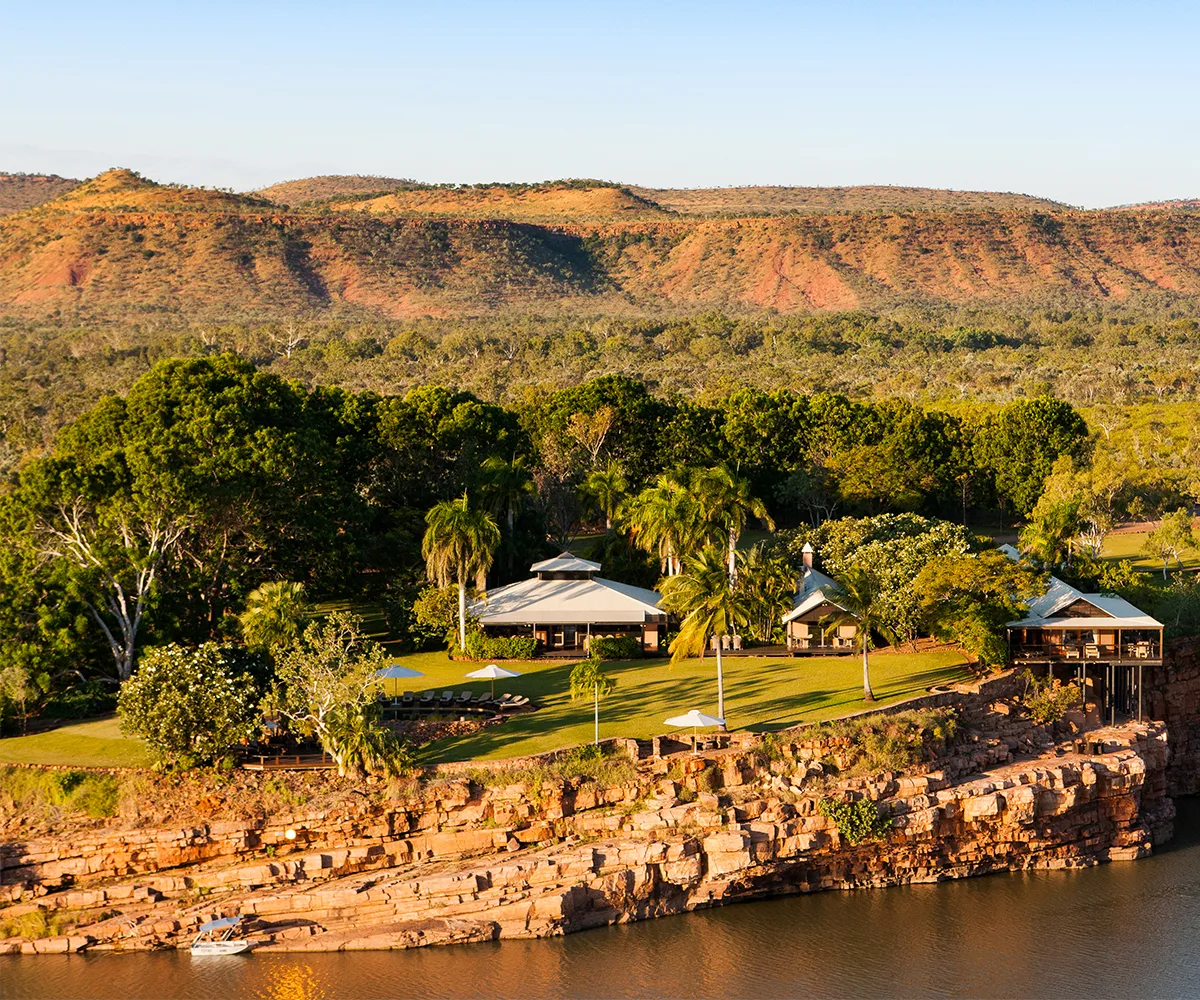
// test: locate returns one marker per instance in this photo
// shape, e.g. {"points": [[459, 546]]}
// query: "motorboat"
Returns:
{"points": [[210, 940]]}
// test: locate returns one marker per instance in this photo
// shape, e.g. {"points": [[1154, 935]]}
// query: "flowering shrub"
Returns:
{"points": [[191, 706]]}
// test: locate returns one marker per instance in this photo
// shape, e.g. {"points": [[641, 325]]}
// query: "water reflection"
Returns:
{"points": [[1112, 931]]}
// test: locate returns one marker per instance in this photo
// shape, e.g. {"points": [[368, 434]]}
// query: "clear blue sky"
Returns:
{"points": [[1091, 103]]}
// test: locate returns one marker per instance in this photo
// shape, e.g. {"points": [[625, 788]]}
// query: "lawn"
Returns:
{"points": [[1130, 544], [95, 743], [761, 694]]}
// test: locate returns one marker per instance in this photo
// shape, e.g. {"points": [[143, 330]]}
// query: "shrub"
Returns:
{"points": [[30, 790], [856, 821], [191, 706], [481, 646], [1048, 701], [616, 647], [82, 701]]}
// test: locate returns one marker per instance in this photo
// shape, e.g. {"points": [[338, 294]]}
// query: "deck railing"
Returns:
{"points": [[1145, 650]]}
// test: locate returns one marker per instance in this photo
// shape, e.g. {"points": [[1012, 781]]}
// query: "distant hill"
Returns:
{"points": [[549, 202], [315, 189], [21, 191], [120, 245], [827, 200], [1174, 205]]}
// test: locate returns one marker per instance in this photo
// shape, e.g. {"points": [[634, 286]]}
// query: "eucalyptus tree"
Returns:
{"points": [[460, 543]]}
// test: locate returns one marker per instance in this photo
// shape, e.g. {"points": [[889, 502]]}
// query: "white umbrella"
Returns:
{"points": [[396, 672], [490, 673], [696, 719]]}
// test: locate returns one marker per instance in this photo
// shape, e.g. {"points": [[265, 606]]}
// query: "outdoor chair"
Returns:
{"points": [[447, 698], [518, 701], [426, 699], [1092, 652], [483, 698], [504, 700], [1072, 652], [407, 699], [465, 697]]}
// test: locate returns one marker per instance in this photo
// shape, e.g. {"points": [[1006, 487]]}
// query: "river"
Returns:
{"points": [[1116, 930]]}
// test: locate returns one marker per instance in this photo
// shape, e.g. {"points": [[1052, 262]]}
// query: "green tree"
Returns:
{"points": [[859, 603], [969, 598], [665, 519], [327, 686], [460, 543], [273, 616], [607, 488], [506, 487], [726, 504], [191, 706], [1171, 537], [709, 606], [588, 680], [768, 585]]}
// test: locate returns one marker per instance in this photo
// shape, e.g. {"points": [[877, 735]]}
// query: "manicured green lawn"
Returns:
{"points": [[95, 743], [761, 693], [1129, 545]]}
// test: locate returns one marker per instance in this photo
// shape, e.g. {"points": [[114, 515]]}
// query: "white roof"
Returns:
{"points": [[815, 589], [565, 563], [567, 602], [1044, 610]]}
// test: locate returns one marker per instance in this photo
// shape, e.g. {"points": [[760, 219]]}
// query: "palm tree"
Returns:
{"points": [[273, 615], [726, 503], [1049, 536], [768, 585], [709, 604], [857, 599], [460, 542], [588, 679], [505, 486], [665, 520], [607, 487]]}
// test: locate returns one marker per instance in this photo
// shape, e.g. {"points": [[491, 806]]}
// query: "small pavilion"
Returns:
{"points": [[814, 603], [565, 603]]}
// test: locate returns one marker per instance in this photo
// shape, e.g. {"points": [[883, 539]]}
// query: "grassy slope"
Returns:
{"points": [[1129, 545], [96, 743], [760, 693]]}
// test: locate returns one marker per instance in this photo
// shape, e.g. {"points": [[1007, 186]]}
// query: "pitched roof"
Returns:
{"points": [[567, 602], [814, 590], [1045, 610], [565, 562]]}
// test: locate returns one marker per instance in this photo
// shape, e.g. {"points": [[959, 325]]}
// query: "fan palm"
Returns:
{"points": [[858, 603], [588, 680], [703, 596], [273, 615], [460, 542]]}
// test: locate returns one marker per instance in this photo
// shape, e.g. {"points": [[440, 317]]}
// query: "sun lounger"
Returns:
{"points": [[426, 699], [447, 698], [464, 697], [483, 698], [407, 699]]}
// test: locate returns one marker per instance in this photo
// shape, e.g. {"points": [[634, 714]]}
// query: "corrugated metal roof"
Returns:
{"points": [[565, 563], [814, 589], [567, 602], [1044, 610]]}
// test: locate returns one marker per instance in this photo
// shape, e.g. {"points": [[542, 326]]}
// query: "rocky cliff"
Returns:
{"points": [[467, 858]]}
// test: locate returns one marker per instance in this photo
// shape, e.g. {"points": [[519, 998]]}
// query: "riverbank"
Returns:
{"points": [[504, 854]]}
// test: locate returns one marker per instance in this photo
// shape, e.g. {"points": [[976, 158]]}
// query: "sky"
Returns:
{"points": [[1090, 103]]}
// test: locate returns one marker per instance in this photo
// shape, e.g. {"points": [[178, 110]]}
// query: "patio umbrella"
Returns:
{"points": [[490, 673], [396, 672], [696, 719]]}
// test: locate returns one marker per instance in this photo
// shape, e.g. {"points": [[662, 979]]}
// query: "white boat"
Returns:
{"points": [[207, 942]]}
